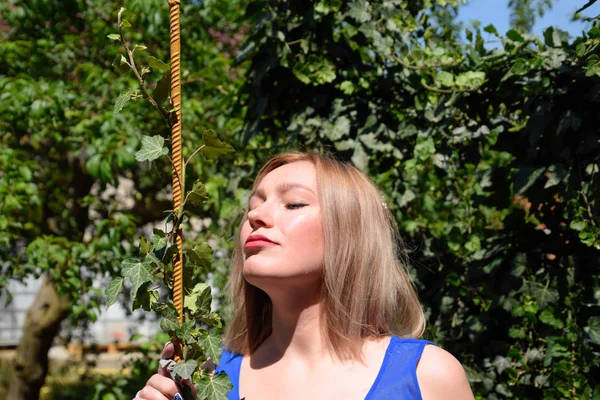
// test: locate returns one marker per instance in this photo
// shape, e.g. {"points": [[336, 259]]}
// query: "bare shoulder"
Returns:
{"points": [[441, 376]]}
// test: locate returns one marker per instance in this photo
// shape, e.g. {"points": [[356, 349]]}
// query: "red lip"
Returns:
{"points": [[258, 241]]}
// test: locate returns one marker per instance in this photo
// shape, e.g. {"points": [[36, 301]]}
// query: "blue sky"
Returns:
{"points": [[496, 12]]}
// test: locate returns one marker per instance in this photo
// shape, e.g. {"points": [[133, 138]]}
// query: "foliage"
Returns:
{"points": [[73, 200], [488, 156], [525, 12]]}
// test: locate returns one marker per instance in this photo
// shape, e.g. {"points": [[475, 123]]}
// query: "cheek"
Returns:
{"points": [[308, 230], [245, 232]]}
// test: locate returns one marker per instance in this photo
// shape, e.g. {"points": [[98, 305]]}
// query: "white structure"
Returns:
{"points": [[113, 325]]}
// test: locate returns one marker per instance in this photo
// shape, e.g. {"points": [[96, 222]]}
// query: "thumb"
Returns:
{"points": [[167, 354]]}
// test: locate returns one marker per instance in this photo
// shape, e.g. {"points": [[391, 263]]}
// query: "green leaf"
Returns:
{"points": [[120, 64], [170, 320], [198, 194], [152, 148], [112, 291], [125, 24], [514, 36], [186, 369], [123, 98], [199, 300], [185, 331], [163, 88], [547, 317], [157, 64], [145, 299], [113, 36], [213, 388], [347, 87], [144, 246], [525, 178], [139, 272], [445, 78], [213, 147], [140, 47], [201, 255], [593, 329], [491, 29], [159, 245], [359, 11], [211, 343], [424, 149], [501, 363], [25, 172]]}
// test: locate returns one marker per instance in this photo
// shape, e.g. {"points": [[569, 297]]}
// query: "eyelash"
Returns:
{"points": [[294, 206]]}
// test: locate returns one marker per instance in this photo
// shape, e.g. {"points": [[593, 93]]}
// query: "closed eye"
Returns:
{"points": [[295, 206]]}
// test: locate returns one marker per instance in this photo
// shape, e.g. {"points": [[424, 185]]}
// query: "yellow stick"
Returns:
{"points": [[177, 161]]}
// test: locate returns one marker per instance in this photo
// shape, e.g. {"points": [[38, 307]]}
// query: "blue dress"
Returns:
{"points": [[396, 380]]}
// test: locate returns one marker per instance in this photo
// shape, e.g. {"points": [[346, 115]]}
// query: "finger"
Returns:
{"points": [[150, 393], [167, 354], [168, 351], [166, 386], [188, 382]]}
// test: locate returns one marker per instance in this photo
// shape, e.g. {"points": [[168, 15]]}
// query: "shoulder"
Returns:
{"points": [[441, 376], [229, 362]]}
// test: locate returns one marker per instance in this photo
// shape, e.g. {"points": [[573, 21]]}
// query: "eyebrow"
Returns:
{"points": [[281, 188]]}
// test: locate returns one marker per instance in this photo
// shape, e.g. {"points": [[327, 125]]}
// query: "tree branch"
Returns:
{"points": [[586, 6], [448, 91], [133, 67], [424, 67], [98, 11]]}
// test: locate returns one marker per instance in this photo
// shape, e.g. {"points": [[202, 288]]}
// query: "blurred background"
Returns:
{"points": [[477, 119]]}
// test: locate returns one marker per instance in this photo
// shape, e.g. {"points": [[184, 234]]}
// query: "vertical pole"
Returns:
{"points": [[177, 183]]}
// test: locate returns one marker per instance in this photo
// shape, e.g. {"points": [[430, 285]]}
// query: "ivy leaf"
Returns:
{"points": [[593, 329], [211, 343], [547, 317], [359, 11], [186, 369], [170, 321], [113, 36], [157, 64], [213, 147], [198, 194], [159, 245], [213, 388], [163, 88], [185, 331], [145, 300], [139, 272], [123, 98], [445, 78], [201, 255], [501, 363], [543, 294], [144, 246], [152, 148], [199, 300], [112, 291]]}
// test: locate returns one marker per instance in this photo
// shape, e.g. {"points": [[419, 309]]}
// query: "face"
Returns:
{"points": [[283, 235]]}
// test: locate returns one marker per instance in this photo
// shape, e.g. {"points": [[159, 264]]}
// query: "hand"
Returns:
{"points": [[161, 386]]}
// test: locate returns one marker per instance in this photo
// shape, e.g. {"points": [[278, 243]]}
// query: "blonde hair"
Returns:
{"points": [[366, 291]]}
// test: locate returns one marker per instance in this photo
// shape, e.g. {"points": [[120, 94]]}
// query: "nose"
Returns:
{"points": [[261, 216]]}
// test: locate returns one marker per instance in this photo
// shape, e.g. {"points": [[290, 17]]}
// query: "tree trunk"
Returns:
{"points": [[41, 326]]}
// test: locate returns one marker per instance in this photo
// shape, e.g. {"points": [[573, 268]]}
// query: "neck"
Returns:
{"points": [[297, 327]]}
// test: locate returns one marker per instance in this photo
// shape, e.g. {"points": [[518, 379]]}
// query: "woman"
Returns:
{"points": [[324, 308]]}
